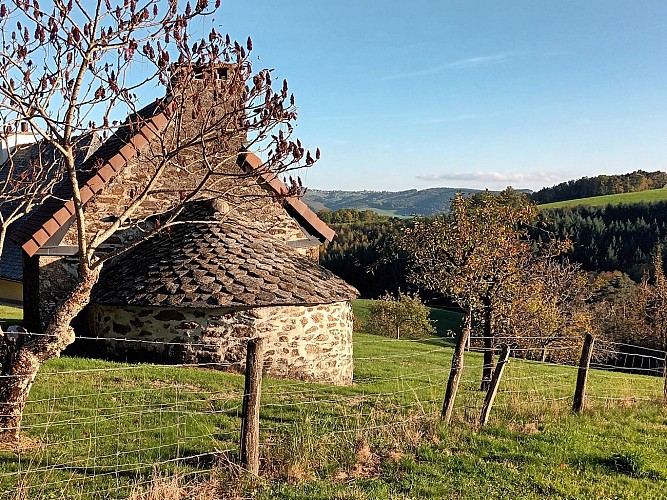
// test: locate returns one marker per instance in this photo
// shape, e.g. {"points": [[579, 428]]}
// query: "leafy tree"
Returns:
{"points": [[475, 255], [403, 315], [650, 305], [69, 68], [548, 313], [356, 254]]}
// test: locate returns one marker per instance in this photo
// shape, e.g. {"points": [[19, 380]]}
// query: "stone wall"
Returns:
{"points": [[302, 342]]}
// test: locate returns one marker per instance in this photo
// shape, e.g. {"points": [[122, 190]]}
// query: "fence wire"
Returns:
{"points": [[97, 429]]}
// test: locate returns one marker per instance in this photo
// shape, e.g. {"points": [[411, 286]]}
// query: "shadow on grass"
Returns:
{"points": [[630, 463]]}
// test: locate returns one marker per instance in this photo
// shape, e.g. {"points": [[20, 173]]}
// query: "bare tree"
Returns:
{"points": [[79, 68]]}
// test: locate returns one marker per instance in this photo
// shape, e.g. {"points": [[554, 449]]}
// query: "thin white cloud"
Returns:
{"points": [[459, 118], [493, 177], [471, 62]]}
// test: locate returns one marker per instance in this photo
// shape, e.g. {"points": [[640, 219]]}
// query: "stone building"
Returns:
{"points": [[200, 290]]}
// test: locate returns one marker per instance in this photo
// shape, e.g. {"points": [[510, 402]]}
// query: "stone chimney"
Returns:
{"points": [[210, 96]]}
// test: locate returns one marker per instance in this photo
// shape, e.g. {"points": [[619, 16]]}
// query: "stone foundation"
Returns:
{"points": [[311, 343]]}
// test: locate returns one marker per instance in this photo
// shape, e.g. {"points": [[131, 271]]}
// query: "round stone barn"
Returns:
{"points": [[197, 293]]}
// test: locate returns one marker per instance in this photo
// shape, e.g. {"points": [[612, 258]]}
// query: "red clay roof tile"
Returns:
{"points": [[117, 150], [96, 183], [86, 193], [62, 216], [116, 162], [51, 226], [251, 162], [31, 247], [41, 237]]}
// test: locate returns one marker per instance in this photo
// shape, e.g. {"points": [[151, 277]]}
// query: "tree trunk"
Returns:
{"points": [[487, 371], [544, 354], [31, 351]]}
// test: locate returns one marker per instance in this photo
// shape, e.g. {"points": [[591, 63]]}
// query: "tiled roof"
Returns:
{"points": [[25, 155], [93, 175], [250, 162], [11, 263], [111, 157], [224, 263]]}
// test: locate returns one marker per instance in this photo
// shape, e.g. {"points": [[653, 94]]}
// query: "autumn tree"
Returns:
{"points": [[548, 313], [473, 255], [647, 318], [70, 73]]}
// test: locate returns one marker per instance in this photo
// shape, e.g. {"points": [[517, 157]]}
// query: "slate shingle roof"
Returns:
{"points": [[92, 176], [11, 263], [226, 263]]}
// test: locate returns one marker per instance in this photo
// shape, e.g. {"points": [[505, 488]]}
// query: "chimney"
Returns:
{"points": [[208, 94], [186, 74]]}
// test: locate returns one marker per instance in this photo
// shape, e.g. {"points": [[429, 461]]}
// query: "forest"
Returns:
{"points": [[601, 185], [612, 238], [603, 239], [612, 254]]}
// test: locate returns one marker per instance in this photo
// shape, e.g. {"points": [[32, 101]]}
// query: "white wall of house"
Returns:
{"points": [[9, 142]]}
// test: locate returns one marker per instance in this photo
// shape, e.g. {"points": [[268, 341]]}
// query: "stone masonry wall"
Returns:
{"points": [[302, 342], [246, 198]]}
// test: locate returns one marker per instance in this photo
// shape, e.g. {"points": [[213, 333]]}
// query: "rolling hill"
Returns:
{"points": [[647, 196], [393, 203]]}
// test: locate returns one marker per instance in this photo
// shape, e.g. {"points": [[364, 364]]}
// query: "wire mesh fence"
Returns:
{"points": [[99, 429]]}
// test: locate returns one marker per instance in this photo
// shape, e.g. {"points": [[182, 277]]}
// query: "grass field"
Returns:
{"points": [[613, 199], [10, 315], [95, 430], [390, 213]]}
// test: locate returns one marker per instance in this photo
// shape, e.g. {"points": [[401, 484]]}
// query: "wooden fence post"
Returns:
{"points": [[251, 402], [455, 374], [495, 383], [582, 375], [664, 372]]}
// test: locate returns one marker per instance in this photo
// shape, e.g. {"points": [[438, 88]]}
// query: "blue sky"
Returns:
{"points": [[469, 93]]}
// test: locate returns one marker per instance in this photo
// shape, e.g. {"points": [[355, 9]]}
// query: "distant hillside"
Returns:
{"points": [[393, 203], [649, 196], [601, 185]]}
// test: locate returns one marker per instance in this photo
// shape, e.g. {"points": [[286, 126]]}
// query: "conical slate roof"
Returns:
{"points": [[226, 263]]}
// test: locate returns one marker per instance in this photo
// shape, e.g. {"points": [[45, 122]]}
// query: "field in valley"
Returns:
{"points": [[613, 199]]}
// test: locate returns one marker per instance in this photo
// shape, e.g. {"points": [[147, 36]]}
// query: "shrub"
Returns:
{"points": [[403, 315]]}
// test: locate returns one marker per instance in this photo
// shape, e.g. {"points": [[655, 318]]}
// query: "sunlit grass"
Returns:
{"points": [[613, 199], [97, 428]]}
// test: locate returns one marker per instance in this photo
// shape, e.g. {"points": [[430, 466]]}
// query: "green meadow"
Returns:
{"points": [[613, 199], [97, 429]]}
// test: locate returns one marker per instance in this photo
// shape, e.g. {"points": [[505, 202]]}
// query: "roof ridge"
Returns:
{"points": [[94, 175], [250, 162]]}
